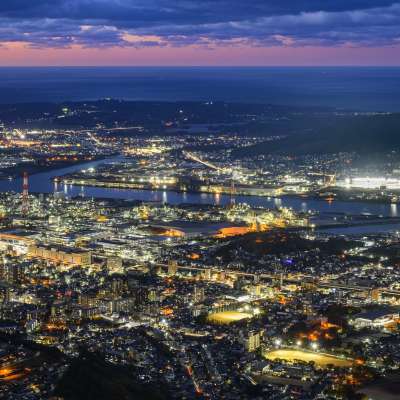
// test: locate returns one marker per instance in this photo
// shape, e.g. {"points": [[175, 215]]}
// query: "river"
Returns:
{"points": [[43, 182]]}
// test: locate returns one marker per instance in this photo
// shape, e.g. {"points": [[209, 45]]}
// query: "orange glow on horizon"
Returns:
{"points": [[21, 54]]}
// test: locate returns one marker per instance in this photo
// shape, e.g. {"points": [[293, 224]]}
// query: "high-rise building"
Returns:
{"points": [[152, 295], [118, 286], [198, 294], [12, 273], [207, 274], [253, 341], [4, 293], [172, 267], [255, 290], [256, 279], [25, 193]]}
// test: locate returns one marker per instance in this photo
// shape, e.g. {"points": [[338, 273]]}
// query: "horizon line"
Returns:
{"points": [[206, 66]]}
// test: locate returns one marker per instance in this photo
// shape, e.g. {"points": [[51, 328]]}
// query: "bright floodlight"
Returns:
{"points": [[314, 345]]}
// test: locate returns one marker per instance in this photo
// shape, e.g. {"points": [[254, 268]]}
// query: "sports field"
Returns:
{"points": [[321, 360], [227, 317]]}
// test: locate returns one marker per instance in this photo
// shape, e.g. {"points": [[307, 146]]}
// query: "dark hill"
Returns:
{"points": [[278, 243], [361, 133], [90, 377]]}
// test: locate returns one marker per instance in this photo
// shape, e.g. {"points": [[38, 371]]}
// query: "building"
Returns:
{"points": [[4, 293], [116, 306], [12, 273], [375, 319], [207, 274], [198, 294], [172, 267], [253, 341], [114, 264], [16, 241], [62, 255], [255, 290]]}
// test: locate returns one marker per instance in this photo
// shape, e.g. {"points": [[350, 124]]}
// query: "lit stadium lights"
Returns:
{"points": [[278, 342], [314, 345]]}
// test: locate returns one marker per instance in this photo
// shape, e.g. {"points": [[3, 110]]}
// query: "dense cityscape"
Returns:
{"points": [[176, 266], [199, 200]]}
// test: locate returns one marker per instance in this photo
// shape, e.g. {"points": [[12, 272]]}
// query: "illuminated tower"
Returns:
{"points": [[25, 193], [232, 190]]}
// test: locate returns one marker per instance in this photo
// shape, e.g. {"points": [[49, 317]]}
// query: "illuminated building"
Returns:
{"points": [[207, 274], [114, 264], [255, 290], [172, 267], [153, 295], [375, 319], [64, 255], [16, 241], [253, 341], [370, 183], [4, 293], [198, 294], [12, 273]]}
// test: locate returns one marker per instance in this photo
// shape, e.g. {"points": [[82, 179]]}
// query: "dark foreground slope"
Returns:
{"points": [[89, 377]]}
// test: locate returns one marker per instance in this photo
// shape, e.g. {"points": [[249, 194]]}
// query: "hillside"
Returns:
{"points": [[364, 134], [89, 377]]}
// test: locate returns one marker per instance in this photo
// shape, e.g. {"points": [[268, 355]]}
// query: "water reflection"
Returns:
{"points": [[43, 182], [278, 202]]}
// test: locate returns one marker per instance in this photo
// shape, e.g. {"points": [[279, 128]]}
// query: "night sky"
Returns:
{"points": [[202, 32]]}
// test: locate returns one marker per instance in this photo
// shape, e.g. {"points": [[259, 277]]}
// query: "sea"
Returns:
{"points": [[343, 88]]}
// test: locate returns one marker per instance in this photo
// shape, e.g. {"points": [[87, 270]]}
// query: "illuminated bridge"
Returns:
{"points": [[208, 164]]}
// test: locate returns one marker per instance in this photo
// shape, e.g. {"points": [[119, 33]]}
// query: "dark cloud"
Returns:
{"points": [[103, 23]]}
